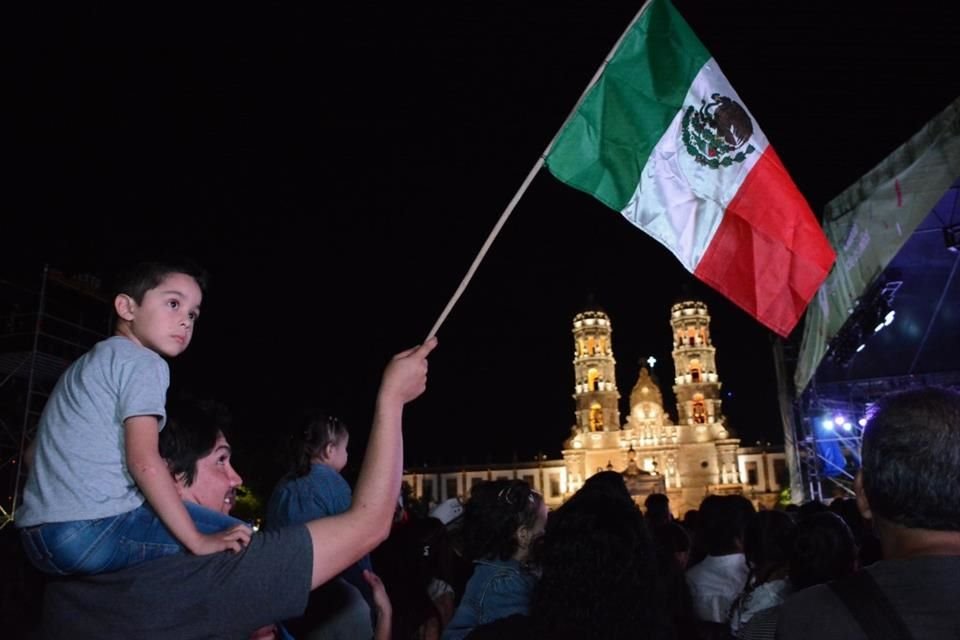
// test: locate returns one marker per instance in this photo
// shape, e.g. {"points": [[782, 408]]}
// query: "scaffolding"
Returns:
{"points": [[831, 421], [42, 330]]}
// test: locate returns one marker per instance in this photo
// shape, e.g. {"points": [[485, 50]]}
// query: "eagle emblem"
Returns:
{"points": [[718, 133]]}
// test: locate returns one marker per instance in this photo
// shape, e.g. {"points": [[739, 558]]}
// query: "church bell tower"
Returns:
{"points": [[697, 389], [595, 384]]}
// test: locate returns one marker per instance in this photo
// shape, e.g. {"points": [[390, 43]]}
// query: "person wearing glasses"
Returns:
{"points": [[502, 519]]}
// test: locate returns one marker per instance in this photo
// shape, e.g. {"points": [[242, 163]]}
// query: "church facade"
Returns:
{"points": [[687, 460]]}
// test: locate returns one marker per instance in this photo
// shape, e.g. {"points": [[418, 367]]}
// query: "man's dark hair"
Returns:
{"points": [[911, 459], [143, 276], [190, 434]]}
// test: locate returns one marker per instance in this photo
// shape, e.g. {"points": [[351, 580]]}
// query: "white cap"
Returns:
{"points": [[447, 511]]}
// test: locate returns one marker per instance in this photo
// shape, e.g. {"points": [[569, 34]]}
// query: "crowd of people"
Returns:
{"points": [[126, 526]]}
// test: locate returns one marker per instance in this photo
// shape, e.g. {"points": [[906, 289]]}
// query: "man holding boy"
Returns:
{"points": [[230, 595]]}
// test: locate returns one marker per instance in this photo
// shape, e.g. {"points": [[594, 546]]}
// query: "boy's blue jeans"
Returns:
{"points": [[108, 544]]}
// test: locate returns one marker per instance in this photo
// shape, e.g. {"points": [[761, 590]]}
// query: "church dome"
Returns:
{"points": [[646, 390]]}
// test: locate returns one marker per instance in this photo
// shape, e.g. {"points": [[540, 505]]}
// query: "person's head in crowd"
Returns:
{"points": [[673, 538], [600, 575], [722, 523], [408, 561], [810, 507], [911, 461], [502, 519], [606, 481], [431, 541], [691, 520], [767, 544], [657, 507], [317, 438], [823, 550], [862, 529]]}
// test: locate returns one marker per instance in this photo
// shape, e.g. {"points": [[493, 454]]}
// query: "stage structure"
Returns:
{"points": [[886, 317], [45, 324]]}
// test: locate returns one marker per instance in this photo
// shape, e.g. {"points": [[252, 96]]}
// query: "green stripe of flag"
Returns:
{"points": [[605, 144]]}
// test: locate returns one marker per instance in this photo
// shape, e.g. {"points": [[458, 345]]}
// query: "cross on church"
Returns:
{"points": [[651, 361]]}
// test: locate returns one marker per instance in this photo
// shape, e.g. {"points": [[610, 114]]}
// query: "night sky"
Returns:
{"points": [[337, 170]]}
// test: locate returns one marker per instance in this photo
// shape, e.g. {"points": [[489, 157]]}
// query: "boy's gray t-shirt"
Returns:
{"points": [[79, 470]]}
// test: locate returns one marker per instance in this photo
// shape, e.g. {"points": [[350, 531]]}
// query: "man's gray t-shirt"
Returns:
{"points": [[923, 592], [79, 470], [223, 595]]}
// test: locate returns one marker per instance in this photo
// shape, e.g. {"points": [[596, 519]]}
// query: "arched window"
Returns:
{"points": [[596, 417], [699, 410], [593, 376]]}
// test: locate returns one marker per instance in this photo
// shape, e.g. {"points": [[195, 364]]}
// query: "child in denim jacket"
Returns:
{"points": [[502, 520]]}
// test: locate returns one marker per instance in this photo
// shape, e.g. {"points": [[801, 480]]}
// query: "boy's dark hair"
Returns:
{"points": [[312, 430], [190, 434], [143, 276], [493, 514], [911, 459]]}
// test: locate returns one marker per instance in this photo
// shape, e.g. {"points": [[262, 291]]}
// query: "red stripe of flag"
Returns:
{"points": [[769, 254]]}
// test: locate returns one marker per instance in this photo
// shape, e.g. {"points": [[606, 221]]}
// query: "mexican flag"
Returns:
{"points": [[664, 139]]}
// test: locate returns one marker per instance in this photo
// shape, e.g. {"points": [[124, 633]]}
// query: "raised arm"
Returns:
{"points": [[341, 540]]}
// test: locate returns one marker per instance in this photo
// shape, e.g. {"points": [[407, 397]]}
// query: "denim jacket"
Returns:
{"points": [[497, 589]]}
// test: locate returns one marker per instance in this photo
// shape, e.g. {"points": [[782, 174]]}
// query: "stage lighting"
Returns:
{"points": [[847, 426], [951, 237], [827, 424]]}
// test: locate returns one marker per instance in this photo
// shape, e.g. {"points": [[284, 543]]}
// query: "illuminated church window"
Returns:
{"points": [[593, 376], [695, 370], [596, 417], [699, 411]]}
